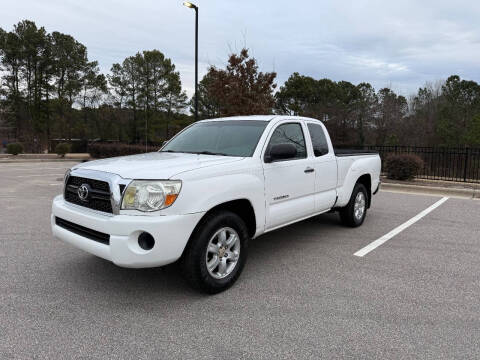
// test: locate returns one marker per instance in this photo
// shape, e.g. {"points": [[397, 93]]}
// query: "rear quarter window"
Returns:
{"points": [[319, 140]]}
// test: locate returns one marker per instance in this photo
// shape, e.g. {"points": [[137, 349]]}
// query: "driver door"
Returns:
{"points": [[289, 183]]}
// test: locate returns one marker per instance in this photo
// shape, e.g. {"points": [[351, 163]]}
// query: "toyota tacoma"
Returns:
{"points": [[208, 191]]}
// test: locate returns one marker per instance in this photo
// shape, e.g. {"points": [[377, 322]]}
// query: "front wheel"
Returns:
{"points": [[216, 253], [354, 213]]}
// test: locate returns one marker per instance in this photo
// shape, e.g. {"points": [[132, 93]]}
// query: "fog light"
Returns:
{"points": [[146, 241]]}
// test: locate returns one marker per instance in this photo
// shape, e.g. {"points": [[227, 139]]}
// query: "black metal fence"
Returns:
{"points": [[441, 163]]}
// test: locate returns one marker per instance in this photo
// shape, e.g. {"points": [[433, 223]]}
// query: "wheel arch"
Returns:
{"points": [[366, 180], [241, 207]]}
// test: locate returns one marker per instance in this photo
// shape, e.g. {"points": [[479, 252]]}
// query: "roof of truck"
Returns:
{"points": [[258, 118]]}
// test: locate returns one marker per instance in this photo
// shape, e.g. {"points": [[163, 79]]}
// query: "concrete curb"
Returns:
{"points": [[432, 190], [44, 157], [7, 161]]}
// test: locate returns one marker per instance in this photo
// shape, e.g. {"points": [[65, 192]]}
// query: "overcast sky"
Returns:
{"points": [[400, 44]]}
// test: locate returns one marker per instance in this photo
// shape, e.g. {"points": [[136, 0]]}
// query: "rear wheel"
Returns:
{"points": [[354, 213], [216, 253]]}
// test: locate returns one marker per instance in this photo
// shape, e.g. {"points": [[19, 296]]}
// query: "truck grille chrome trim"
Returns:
{"points": [[104, 190], [97, 197]]}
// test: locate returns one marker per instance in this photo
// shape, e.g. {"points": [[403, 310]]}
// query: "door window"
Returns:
{"points": [[319, 141], [290, 133]]}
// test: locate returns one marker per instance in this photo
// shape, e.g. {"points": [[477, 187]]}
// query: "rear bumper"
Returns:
{"points": [[378, 187], [171, 234]]}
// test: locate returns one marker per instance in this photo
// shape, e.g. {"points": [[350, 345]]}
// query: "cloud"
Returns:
{"points": [[398, 44]]}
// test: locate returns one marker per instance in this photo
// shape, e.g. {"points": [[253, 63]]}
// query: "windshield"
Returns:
{"points": [[229, 138]]}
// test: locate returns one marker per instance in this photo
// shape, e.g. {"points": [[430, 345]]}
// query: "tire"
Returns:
{"points": [[207, 236], [349, 215]]}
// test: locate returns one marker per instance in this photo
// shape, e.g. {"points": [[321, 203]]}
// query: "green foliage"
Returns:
{"points": [[50, 89], [62, 149], [40, 68], [149, 86], [457, 116], [100, 150], [472, 136], [208, 106], [298, 96], [366, 110], [350, 111], [14, 148], [403, 166], [392, 140], [437, 114]]}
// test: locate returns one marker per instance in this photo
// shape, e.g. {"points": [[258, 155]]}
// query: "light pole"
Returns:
{"points": [[195, 7]]}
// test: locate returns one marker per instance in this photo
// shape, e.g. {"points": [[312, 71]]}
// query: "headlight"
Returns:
{"points": [[150, 195]]}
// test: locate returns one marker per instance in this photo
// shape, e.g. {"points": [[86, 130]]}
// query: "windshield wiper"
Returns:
{"points": [[174, 151], [196, 152], [210, 153]]}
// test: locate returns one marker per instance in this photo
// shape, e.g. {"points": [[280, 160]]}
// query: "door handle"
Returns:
{"points": [[309, 170]]}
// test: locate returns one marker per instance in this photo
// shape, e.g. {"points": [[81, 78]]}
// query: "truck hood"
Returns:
{"points": [[155, 165]]}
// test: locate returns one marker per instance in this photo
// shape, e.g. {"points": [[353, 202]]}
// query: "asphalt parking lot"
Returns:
{"points": [[303, 293]]}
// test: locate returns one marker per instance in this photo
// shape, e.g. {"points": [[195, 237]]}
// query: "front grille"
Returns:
{"points": [[99, 194], [83, 231]]}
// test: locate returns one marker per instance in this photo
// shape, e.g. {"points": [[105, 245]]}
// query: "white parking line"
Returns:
{"points": [[373, 245]]}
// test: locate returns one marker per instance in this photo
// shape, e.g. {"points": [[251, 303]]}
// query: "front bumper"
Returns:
{"points": [[171, 234]]}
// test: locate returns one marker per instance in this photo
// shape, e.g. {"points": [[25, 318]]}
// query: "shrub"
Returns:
{"points": [[14, 148], [79, 146], [102, 150], [63, 148], [403, 166]]}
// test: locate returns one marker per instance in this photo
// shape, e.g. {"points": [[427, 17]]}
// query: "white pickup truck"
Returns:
{"points": [[208, 191]]}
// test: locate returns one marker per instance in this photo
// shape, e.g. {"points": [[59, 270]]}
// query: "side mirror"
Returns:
{"points": [[320, 151], [281, 152]]}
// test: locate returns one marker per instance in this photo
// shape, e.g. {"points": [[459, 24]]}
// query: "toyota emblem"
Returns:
{"points": [[83, 192]]}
